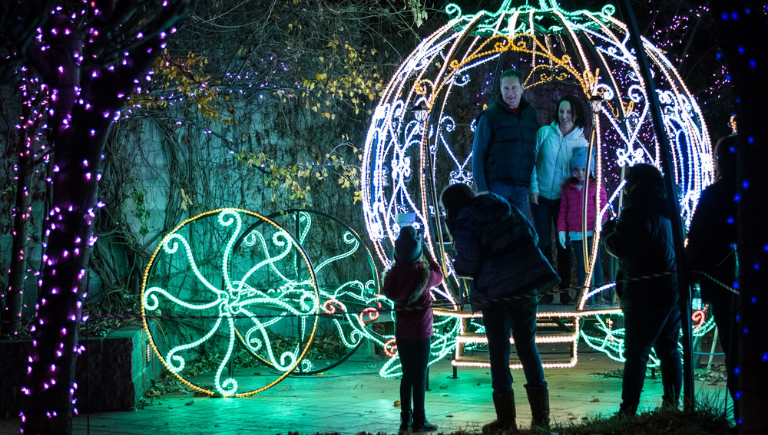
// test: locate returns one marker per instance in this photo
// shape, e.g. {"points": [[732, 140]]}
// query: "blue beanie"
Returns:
{"points": [[579, 159], [407, 246]]}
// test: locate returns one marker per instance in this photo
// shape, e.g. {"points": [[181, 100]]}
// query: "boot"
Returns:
{"points": [[405, 421], [538, 397], [505, 414], [627, 410], [565, 297], [564, 271], [420, 423], [546, 299]]}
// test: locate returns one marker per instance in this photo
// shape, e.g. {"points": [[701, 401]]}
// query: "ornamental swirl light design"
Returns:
{"points": [[347, 284], [411, 154], [189, 275]]}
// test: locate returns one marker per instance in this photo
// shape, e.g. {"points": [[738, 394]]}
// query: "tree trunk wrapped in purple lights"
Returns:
{"points": [[89, 59], [27, 159]]}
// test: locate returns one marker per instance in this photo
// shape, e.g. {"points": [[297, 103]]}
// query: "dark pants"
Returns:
{"points": [[520, 318], [515, 194], [414, 356], [581, 274], [545, 214], [724, 307], [643, 330]]}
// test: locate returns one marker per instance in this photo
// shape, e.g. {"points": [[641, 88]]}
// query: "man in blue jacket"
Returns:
{"points": [[503, 152]]}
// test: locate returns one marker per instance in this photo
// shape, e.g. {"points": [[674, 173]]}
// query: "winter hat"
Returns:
{"points": [[579, 159], [407, 246]]}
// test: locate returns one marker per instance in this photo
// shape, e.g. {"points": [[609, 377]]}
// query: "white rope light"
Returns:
{"points": [[407, 153]]}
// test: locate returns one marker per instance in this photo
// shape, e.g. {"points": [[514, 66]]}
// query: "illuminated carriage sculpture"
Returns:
{"points": [[234, 276], [420, 139]]}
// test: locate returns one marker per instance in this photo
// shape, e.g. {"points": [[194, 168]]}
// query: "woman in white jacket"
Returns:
{"points": [[554, 149]]}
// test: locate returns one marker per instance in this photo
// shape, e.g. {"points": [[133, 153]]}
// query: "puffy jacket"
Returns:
{"points": [[572, 206], [408, 287], [497, 246], [711, 235], [553, 157], [504, 145], [642, 241]]}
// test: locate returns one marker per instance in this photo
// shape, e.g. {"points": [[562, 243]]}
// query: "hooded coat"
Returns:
{"points": [[498, 247], [711, 235], [642, 241], [408, 287], [553, 159]]}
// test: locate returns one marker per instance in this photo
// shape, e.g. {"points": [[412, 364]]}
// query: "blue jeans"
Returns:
{"points": [[515, 194], [545, 214], [643, 330], [414, 356], [581, 274], [520, 318]]}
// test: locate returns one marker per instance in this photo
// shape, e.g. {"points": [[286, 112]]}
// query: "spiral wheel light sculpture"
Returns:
{"points": [[195, 283], [347, 283]]}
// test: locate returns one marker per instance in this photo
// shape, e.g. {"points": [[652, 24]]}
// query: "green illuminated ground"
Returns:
{"points": [[345, 402]]}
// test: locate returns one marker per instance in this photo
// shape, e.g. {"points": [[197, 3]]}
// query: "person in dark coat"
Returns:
{"points": [[407, 284], [711, 249], [642, 241], [497, 246], [504, 148]]}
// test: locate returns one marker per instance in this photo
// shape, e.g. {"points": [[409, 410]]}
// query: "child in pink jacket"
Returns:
{"points": [[571, 213], [407, 284]]}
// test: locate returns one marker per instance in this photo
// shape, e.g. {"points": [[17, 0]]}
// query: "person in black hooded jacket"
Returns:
{"points": [[497, 246], [647, 286], [710, 249]]}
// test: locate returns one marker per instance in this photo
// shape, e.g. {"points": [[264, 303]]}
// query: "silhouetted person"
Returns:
{"points": [[407, 283], [642, 241], [711, 249], [496, 246]]}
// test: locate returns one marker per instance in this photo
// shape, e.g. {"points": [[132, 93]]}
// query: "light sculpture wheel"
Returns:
{"points": [[197, 284], [347, 283], [411, 154]]}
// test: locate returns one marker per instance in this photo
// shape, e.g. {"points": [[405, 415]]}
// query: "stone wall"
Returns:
{"points": [[112, 374]]}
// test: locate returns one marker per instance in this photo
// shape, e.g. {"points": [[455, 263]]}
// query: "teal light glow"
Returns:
{"points": [[169, 288], [347, 289], [498, 22]]}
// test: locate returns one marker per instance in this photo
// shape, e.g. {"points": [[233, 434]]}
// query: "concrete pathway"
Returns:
{"points": [[348, 399]]}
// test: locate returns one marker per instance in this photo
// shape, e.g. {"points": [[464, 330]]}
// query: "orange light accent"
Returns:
{"points": [[152, 340]]}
